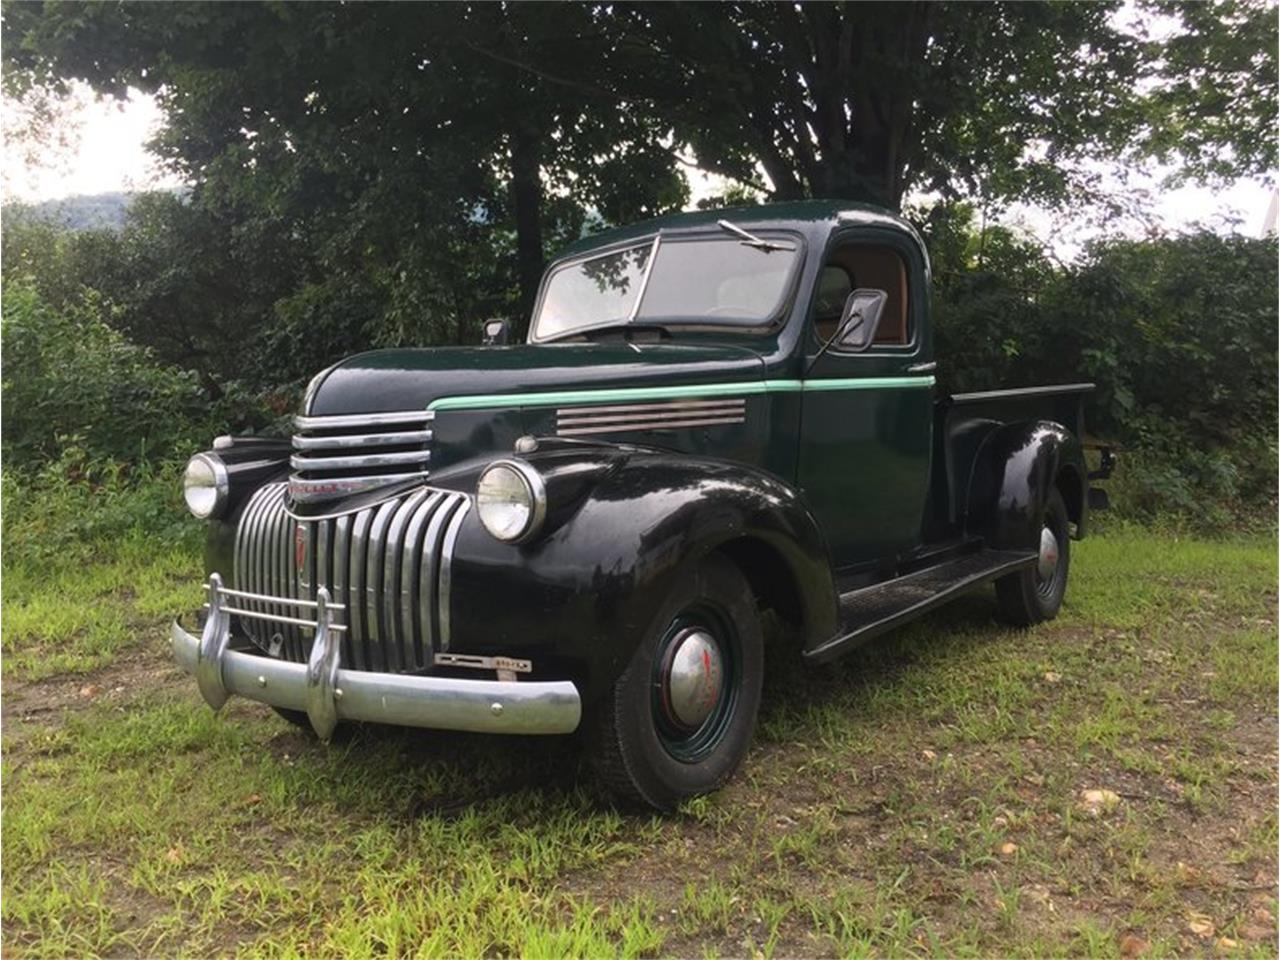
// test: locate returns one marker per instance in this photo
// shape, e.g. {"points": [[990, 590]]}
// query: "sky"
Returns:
{"points": [[103, 149]]}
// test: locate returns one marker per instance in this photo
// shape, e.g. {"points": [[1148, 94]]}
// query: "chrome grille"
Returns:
{"points": [[389, 566], [340, 455]]}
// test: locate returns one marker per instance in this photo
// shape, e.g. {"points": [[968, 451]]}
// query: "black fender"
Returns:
{"points": [[578, 599], [1014, 470], [250, 462]]}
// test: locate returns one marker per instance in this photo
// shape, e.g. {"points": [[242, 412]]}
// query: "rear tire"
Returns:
{"points": [[1035, 594], [680, 719]]}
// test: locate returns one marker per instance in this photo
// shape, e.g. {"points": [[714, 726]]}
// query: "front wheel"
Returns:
{"points": [[679, 720], [1035, 594]]}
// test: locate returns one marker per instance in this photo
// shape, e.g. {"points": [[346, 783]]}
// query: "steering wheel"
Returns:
{"points": [[724, 312]]}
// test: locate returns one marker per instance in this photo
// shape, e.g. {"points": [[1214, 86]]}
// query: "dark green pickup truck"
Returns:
{"points": [[715, 414]]}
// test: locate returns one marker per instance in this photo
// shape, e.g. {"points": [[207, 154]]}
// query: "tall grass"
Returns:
{"points": [[95, 555]]}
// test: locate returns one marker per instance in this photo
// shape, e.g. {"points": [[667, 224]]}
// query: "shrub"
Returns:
{"points": [[1178, 333], [73, 510], [69, 379]]}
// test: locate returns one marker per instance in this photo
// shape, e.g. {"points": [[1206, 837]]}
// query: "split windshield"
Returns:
{"points": [[669, 282]]}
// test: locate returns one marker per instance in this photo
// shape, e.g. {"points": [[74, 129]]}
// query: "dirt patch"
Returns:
{"points": [[143, 670]]}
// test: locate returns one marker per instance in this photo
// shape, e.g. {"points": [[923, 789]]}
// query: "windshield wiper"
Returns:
{"points": [[751, 240], [612, 326], [623, 327]]}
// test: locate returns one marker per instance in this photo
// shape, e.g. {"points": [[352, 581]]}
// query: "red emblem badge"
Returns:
{"points": [[300, 549]]}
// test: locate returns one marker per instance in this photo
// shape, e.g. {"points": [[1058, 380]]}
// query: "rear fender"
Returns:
{"points": [[1016, 467]]}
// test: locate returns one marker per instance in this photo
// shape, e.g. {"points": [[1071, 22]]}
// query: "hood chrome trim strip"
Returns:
{"points": [[489, 401]]}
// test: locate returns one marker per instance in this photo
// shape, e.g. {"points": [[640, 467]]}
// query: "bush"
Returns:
{"points": [[74, 510], [1178, 333], [69, 379]]}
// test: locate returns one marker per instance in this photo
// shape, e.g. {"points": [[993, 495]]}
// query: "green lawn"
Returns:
{"points": [[924, 796]]}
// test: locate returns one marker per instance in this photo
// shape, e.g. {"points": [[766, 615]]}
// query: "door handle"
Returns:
{"points": [[929, 367]]}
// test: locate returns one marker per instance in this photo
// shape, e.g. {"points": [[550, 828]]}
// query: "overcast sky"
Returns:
{"points": [[105, 150]]}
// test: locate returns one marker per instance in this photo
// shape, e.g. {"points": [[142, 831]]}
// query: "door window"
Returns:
{"points": [[866, 266]]}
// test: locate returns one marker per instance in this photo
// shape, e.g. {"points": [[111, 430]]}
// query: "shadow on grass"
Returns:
{"points": [[945, 634], [449, 775]]}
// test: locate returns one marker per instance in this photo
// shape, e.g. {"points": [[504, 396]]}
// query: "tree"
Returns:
{"points": [[985, 100], [389, 135], [423, 158]]}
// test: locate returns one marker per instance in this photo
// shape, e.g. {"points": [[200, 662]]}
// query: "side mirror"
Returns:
{"points": [[497, 333], [860, 319]]}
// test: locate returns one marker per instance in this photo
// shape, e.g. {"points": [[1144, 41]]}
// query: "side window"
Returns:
{"points": [[867, 266], [834, 287]]}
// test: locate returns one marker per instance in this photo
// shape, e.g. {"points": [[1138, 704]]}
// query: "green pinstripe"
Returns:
{"points": [[489, 401]]}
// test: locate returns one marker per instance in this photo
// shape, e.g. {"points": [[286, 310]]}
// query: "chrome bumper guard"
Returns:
{"points": [[327, 693]]}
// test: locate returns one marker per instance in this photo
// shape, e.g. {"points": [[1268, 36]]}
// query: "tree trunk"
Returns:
{"points": [[526, 201], [856, 72]]}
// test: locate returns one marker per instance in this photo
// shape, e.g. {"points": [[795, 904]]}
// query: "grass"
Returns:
{"points": [[922, 797]]}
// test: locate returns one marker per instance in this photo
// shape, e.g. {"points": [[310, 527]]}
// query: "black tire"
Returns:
{"points": [[298, 718], [1030, 596], [636, 745], [342, 733]]}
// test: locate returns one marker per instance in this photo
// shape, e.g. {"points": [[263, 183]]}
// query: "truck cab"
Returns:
{"points": [[715, 414]]}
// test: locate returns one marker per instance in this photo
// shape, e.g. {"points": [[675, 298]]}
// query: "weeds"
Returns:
{"points": [[922, 797]]}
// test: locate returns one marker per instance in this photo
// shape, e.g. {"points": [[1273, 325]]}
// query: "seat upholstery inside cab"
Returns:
{"points": [[834, 287], [864, 266]]}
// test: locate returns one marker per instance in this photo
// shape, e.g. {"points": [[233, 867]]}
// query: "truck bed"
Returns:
{"points": [[962, 421]]}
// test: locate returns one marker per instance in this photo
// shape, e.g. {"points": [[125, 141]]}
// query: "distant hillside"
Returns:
{"points": [[100, 211]]}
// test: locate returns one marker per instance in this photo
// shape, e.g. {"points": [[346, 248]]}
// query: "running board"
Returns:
{"points": [[871, 611]]}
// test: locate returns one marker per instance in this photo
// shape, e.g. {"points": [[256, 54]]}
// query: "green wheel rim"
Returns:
{"points": [[692, 746]]}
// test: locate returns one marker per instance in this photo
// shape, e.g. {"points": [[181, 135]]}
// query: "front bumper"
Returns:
{"points": [[327, 693]]}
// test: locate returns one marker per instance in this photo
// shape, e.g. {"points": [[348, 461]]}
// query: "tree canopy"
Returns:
{"points": [[418, 161]]}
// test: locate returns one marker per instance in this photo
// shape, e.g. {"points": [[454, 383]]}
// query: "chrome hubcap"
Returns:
{"points": [[1047, 565], [693, 679]]}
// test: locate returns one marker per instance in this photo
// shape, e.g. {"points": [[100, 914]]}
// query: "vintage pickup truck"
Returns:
{"points": [[715, 415]]}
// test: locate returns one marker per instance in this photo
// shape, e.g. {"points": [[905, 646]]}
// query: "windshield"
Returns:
{"points": [[722, 281]]}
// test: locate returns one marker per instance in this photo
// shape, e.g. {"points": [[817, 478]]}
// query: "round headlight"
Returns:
{"points": [[205, 485], [511, 500]]}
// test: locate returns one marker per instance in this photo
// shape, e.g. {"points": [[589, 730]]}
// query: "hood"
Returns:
{"points": [[411, 379]]}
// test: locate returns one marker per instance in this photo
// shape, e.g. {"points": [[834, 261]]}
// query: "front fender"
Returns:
{"points": [[579, 599], [1016, 467]]}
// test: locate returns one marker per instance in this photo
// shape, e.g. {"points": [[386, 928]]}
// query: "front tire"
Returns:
{"points": [[298, 718], [680, 719], [1035, 594]]}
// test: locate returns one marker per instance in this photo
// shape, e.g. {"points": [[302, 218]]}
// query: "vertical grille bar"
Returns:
{"points": [[275, 525], [321, 565], [429, 575], [397, 647], [446, 571], [373, 585], [241, 550], [357, 616], [320, 532], [341, 541], [293, 633], [253, 551], [410, 590]]}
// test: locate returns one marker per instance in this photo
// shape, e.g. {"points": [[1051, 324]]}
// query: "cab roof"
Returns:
{"points": [[796, 214]]}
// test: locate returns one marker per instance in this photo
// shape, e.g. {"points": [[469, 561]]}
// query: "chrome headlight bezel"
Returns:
{"points": [[215, 479], [535, 493]]}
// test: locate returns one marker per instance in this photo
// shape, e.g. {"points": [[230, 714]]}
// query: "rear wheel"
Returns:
{"points": [[1035, 594], [679, 720]]}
